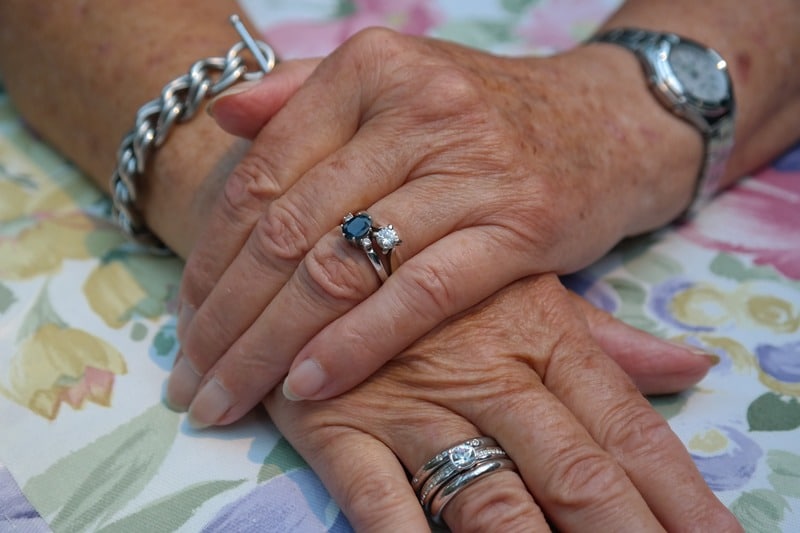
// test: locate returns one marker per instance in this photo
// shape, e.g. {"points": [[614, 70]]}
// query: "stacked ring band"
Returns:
{"points": [[358, 230], [453, 469]]}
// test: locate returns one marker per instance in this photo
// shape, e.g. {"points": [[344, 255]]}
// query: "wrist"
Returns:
{"points": [[185, 178], [653, 156]]}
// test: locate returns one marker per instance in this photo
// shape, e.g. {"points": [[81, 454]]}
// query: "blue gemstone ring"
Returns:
{"points": [[359, 231]]}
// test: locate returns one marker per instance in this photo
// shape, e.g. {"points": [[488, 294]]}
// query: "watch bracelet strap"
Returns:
{"points": [[631, 38], [718, 142]]}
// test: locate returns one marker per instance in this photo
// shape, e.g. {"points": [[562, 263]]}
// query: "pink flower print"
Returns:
{"points": [[760, 217], [318, 38]]}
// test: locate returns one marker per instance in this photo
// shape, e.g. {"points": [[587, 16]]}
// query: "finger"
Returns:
{"points": [[280, 240], [377, 496], [302, 133], [447, 277], [244, 110], [364, 477], [622, 422], [577, 483], [332, 279], [655, 365]]}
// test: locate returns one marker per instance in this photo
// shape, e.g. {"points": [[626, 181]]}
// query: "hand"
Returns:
{"points": [[591, 453], [248, 348]]}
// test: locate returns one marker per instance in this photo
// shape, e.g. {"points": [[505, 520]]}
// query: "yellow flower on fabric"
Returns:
{"points": [[59, 365], [40, 227], [43, 246], [702, 305], [113, 293], [774, 313], [12, 200], [127, 285]]}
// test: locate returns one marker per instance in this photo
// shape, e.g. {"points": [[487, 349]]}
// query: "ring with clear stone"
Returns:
{"points": [[443, 457], [438, 481], [458, 462], [359, 231]]}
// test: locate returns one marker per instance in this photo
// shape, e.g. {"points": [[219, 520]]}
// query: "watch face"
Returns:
{"points": [[699, 72]]}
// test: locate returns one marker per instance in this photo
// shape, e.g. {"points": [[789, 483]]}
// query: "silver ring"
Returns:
{"points": [[463, 480], [438, 481], [359, 231]]}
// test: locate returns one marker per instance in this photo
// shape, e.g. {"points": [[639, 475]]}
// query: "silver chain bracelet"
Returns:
{"points": [[179, 101]]}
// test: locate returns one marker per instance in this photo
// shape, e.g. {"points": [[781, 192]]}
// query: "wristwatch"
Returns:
{"points": [[692, 81]]}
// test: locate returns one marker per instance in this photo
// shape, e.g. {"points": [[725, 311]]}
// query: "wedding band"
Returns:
{"points": [[358, 230], [462, 481], [438, 481]]}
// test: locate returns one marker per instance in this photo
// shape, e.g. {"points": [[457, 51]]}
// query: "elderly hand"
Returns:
{"points": [[490, 168], [591, 453]]}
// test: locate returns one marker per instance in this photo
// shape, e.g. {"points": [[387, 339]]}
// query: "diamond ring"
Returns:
{"points": [[438, 481], [359, 231]]}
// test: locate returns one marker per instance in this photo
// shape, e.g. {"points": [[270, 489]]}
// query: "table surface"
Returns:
{"points": [[87, 326]]}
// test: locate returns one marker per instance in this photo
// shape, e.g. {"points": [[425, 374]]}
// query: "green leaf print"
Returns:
{"points": [[632, 297], [87, 487], [282, 454], [653, 267], [771, 412], [517, 7], [669, 405], [731, 267], [785, 476], [173, 511], [760, 511], [482, 34], [40, 314], [165, 340], [7, 298]]}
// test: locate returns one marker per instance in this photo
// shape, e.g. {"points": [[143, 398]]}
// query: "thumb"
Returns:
{"points": [[657, 366], [245, 108]]}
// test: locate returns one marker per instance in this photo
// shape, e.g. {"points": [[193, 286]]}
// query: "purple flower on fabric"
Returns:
{"points": [[662, 298], [295, 501], [780, 362], [790, 161], [17, 513], [597, 293], [731, 467]]}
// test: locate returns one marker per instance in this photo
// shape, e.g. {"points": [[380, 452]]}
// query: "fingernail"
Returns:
{"points": [[210, 405], [239, 88], [696, 350], [185, 316], [304, 381], [182, 385]]}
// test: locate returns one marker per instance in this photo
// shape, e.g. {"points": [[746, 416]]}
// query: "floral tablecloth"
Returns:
{"points": [[87, 331]]}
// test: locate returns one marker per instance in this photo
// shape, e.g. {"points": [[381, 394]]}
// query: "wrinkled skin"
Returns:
{"points": [[520, 174], [592, 454]]}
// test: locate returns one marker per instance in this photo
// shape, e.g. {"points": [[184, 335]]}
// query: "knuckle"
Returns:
{"points": [[583, 476], [460, 90], [635, 431], [376, 42], [206, 338], [197, 279], [331, 276], [250, 184], [428, 291], [280, 233], [366, 488]]}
